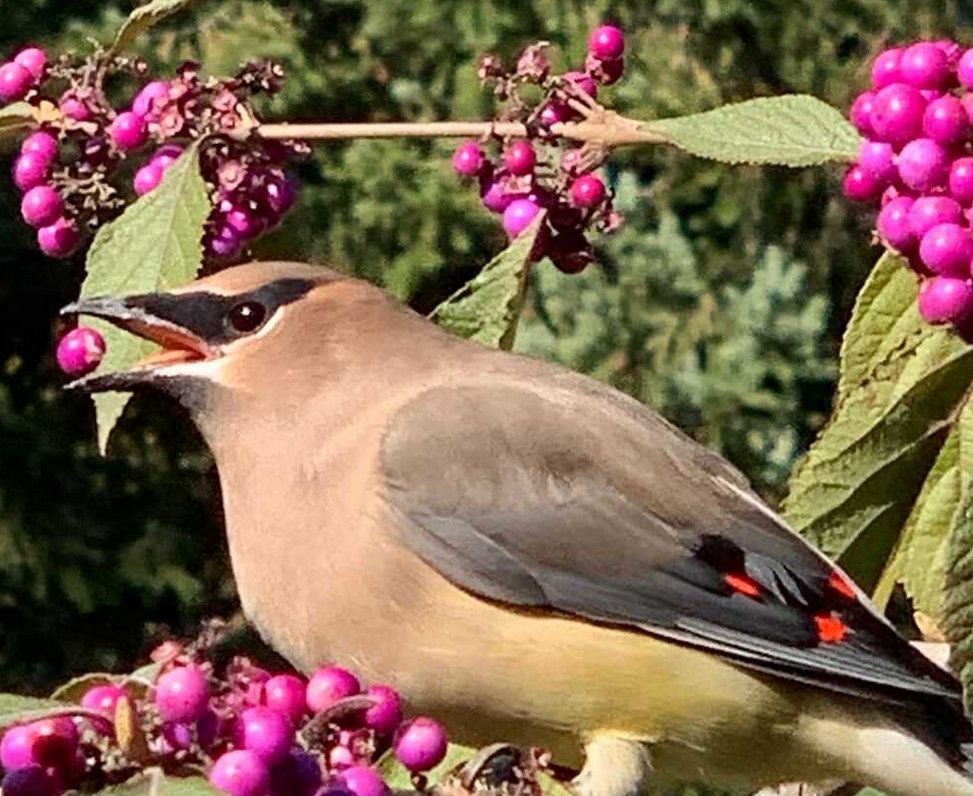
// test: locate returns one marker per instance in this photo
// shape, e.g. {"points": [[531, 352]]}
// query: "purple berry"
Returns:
{"points": [[945, 120], [961, 180], [30, 170], [495, 198], [468, 159], [41, 206], [34, 60], [519, 215], [329, 685], [943, 299], [42, 144], [285, 694], [166, 155], [924, 65], [75, 108], [56, 742], [29, 781], [923, 164], [897, 113], [103, 698], [587, 191], [928, 211], [79, 352], [553, 113], [148, 100], [59, 239], [570, 251], [519, 158], [893, 224], [885, 69], [226, 244], [386, 714], [609, 71], [363, 781], [606, 41], [281, 195], [241, 773], [860, 185], [964, 69], [946, 249], [15, 82], [420, 744], [244, 221], [299, 774], [182, 694], [148, 178], [582, 81], [861, 112], [267, 733], [878, 159], [129, 130]]}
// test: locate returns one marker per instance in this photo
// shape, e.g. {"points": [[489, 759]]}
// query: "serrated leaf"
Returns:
{"points": [[16, 118], [72, 691], [16, 709], [154, 245], [398, 777], [792, 130], [902, 385], [143, 18], [488, 307], [155, 783]]}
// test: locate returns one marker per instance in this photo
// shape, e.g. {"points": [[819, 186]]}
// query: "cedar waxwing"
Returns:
{"points": [[527, 554]]}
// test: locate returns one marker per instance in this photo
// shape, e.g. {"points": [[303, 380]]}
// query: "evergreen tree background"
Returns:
{"points": [[720, 303]]}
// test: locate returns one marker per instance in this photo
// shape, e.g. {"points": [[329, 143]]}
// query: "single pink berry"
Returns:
{"points": [[861, 112], [947, 249], [341, 757], [166, 155], [147, 102], [944, 299], [34, 60], [945, 120], [41, 205], [79, 352], [924, 65], [885, 69], [129, 130], [421, 744], [606, 41], [75, 108], [60, 239], [241, 773], [267, 733], [964, 69], [495, 198], [15, 82], [285, 694], [148, 178], [182, 694], [519, 215], [42, 144], [30, 170], [281, 195], [897, 113], [893, 224], [582, 81], [961, 180], [56, 744], [553, 113], [860, 185], [468, 159], [928, 211], [519, 158], [363, 781], [878, 159], [386, 714], [102, 698], [587, 191], [17, 747], [329, 685], [245, 222], [924, 164]]}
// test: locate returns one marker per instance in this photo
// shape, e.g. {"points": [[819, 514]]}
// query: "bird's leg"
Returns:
{"points": [[613, 767]]}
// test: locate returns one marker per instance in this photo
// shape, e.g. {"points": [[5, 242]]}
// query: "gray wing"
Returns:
{"points": [[559, 494]]}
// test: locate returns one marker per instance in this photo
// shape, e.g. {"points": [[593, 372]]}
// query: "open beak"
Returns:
{"points": [[179, 345]]}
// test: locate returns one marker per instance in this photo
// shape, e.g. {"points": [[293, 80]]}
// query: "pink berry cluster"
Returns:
{"points": [[543, 172], [255, 733], [917, 166], [106, 134]]}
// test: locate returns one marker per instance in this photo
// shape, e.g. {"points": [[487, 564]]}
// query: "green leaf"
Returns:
{"points": [[902, 386], [155, 783], [72, 691], [143, 18], [16, 709], [16, 118], [154, 245], [488, 307], [792, 130], [398, 777]]}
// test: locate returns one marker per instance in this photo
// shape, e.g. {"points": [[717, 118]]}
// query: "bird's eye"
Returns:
{"points": [[247, 316]]}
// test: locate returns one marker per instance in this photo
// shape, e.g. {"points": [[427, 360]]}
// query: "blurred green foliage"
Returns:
{"points": [[720, 302]]}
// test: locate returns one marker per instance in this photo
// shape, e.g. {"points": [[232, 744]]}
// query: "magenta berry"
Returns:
{"points": [[241, 773], [519, 158], [148, 178], [519, 215], [893, 224], [79, 352], [34, 60], [947, 249], [341, 757], [102, 698], [285, 694], [861, 112], [928, 211], [59, 239], [610, 71], [281, 195], [182, 694], [897, 113], [17, 747], [860, 185], [363, 781], [468, 159], [29, 781], [606, 41], [878, 159], [30, 170], [148, 100], [945, 120], [266, 733], [964, 69], [885, 69], [56, 742], [329, 685], [961, 180], [587, 191], [41, 205], [129, 130], [15, 82], [166, 155], [386, 714], [75, 108], [420, 744], [553, 113], [924, 65], [923, 164], [43, 145], [582, 81], [244, 221], [944, 299]]}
